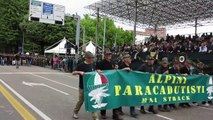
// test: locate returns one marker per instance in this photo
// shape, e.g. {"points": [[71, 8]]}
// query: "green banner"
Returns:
{"points": [[115, 88]]}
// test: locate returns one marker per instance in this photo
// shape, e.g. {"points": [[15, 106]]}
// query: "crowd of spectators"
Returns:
{"points": [[171, 44], [9, 59]]}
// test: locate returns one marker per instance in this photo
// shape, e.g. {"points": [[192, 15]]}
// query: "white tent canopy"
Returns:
{"points": [[91, 48], [60, 48]]}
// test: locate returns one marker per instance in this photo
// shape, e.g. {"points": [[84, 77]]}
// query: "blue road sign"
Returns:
{"points": [[47, 8]]}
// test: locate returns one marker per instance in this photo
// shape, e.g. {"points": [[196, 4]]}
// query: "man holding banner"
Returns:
{"points": [[186, 70], [114, 88], [175, 70], [82, 68], [163, 69], [149, 68], [106, 64], [125, 65]]}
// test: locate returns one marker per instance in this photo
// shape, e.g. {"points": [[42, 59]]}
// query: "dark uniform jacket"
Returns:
{"points": [[174, 70], [161, 69], [105, 65], [185, 70], [147, 68]]}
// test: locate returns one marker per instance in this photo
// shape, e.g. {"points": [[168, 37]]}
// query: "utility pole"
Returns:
{"points": [[77, 39], [97, 33], [23, 39], [104, 37]]}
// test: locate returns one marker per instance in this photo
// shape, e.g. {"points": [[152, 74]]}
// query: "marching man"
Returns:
{"points": [[86, 66]]}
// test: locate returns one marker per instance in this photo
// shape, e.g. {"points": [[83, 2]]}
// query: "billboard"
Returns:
{"points": [[46, 12]]}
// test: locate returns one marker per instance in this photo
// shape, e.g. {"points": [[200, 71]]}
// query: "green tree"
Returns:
{"points": [[43, 35], [111, 31], [11, 12], [14, 26]]}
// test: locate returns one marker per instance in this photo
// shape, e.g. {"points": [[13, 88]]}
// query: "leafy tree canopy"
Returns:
{"points": [[14, 27]]}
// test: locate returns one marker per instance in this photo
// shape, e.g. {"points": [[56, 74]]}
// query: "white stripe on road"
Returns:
{"points": [[57, 90], [44, 85], [40, 113], [158, 115], [54, 81], [167, 118], [206, 108]]}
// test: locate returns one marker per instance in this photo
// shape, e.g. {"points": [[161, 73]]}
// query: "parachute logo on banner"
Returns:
{"points": [[210, 89], [98, 88]]}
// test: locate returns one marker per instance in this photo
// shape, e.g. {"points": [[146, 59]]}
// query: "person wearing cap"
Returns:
{"points": [[186, 70], [176, 71], [199, 71], [126, 65], [81, 69], [106, 64], [163, 69], [148, 67]]}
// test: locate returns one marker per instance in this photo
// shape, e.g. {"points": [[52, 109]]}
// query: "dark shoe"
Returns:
{"points": [[152, 111], [133, 114], [116, 117], [187, 104], [104, 117], [161, 109], [182, 105], [143, 110], [174, 107], [121, 113], [166, 108]]}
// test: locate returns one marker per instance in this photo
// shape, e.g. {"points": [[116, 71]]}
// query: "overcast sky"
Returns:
{"points": [[77, 6]]}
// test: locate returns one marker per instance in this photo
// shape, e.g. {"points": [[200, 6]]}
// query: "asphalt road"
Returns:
{"points": [[30, 93]]}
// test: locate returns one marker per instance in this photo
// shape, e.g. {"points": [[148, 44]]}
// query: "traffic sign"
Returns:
{"points": [[46, 12]]}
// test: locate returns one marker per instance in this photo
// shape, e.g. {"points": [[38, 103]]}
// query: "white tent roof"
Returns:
{"points": [[91, 48], [59, 49]]}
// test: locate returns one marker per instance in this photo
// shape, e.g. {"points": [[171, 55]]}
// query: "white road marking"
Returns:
{"points": [[158, 115], [2, 106], [206, 108], [55, 81], [9, 111], [167, 118], [45, 85], [40, 113]]}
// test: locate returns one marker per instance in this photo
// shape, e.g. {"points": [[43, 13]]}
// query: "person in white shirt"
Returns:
{"points": [[203, 48]]}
